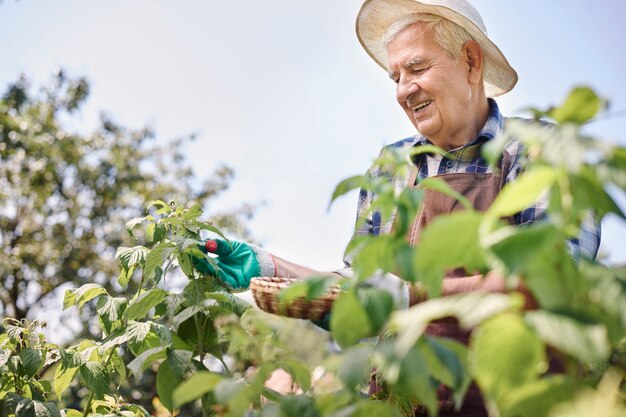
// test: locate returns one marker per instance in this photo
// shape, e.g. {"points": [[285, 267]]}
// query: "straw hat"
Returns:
{"points": [[376, 16]]}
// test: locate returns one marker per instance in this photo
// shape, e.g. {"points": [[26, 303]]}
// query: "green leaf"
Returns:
{"points": [[447, 363], [505, 354], [32, 359], [80, 296], [96, 377], [470, 310], [299, 405], [442, 247], [586, 342], [355, 366], [141, 306], [373, 253], [408, 376], [110, 312], [588, 193], [161, 206], [125, 275], [166, 382], [517, 247], [185, 314], [349, 184], [30, 408], [349, 321], [523, 192], [137, 331], [378, 305], [197, 385], [580, 106], [155, 232], [130, 225], [179, 361], [538, 397], [154, 259], [188, 333], [143, 361], [132, 256], [299, 372]]}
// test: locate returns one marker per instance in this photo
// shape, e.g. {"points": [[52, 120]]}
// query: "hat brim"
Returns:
{"points": [[376, 16]]}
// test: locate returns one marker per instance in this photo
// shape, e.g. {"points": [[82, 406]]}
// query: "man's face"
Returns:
{"points": [[432, 88]]}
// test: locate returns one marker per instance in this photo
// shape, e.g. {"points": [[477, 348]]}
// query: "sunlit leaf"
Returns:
{"points": [[581, 105], [586, 342], [96, 377], [446, 243], [523, 192], [505, 354], [140, 307]]}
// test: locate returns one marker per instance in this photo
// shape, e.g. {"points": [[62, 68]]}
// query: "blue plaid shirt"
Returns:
{"points": [[469, 159]]}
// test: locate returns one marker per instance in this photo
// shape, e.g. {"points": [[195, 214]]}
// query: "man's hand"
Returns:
{"points": [[238, 263]]}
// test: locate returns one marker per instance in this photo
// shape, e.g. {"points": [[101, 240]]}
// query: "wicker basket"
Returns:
{"points": [[265, 292]]}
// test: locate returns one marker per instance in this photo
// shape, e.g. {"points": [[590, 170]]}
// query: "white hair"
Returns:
{"points": [[448, 35]]}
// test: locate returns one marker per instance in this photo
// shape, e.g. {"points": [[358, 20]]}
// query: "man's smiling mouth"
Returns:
{"points": [[422, 106]]}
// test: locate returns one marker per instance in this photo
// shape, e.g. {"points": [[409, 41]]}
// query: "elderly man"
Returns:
{"points": [[446, 71]]}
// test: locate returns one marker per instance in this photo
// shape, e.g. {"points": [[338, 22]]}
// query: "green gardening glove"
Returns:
{"points": [[238, 263]]}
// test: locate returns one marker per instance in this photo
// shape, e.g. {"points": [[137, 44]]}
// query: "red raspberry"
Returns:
{"points": [[211, 246]]}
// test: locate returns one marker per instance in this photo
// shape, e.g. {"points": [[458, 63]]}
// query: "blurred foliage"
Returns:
{"points": [[213, 355], [65, 196]]}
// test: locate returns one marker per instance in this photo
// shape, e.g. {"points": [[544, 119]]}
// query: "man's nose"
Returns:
{"points": [[405, 89]]}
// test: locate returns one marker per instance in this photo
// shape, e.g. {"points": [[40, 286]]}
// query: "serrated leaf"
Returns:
{"points": [[32, 359], [110, 311], [179, 361], [96, 377], [141, 306], [155, 232], [137, 331], [155, 258], [62, 379], [80, 296], [143, 361], [197, 385], [125, 275], [131, 256], [166, 382], [161, 206], [130, 225], [185, 314]]}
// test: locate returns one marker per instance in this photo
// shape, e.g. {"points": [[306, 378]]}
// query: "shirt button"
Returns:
{"points": [[449, 164]]}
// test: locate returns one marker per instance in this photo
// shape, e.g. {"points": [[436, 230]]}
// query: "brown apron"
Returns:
{"points": [[481, 190]]}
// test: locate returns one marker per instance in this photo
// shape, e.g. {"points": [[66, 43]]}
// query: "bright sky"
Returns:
{"points": [[282, 91]]}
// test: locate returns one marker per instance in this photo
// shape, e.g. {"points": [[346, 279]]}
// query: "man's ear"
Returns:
{"points": [[472, 53]]}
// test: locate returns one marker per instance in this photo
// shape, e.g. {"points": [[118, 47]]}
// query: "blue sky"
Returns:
{"points": [[282, 91]]}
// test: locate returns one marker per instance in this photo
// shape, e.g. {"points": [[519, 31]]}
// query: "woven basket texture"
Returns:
{"points": [[265, 292]]}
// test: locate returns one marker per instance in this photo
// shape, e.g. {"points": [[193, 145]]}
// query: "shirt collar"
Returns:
{"points": [[493, 127]]}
